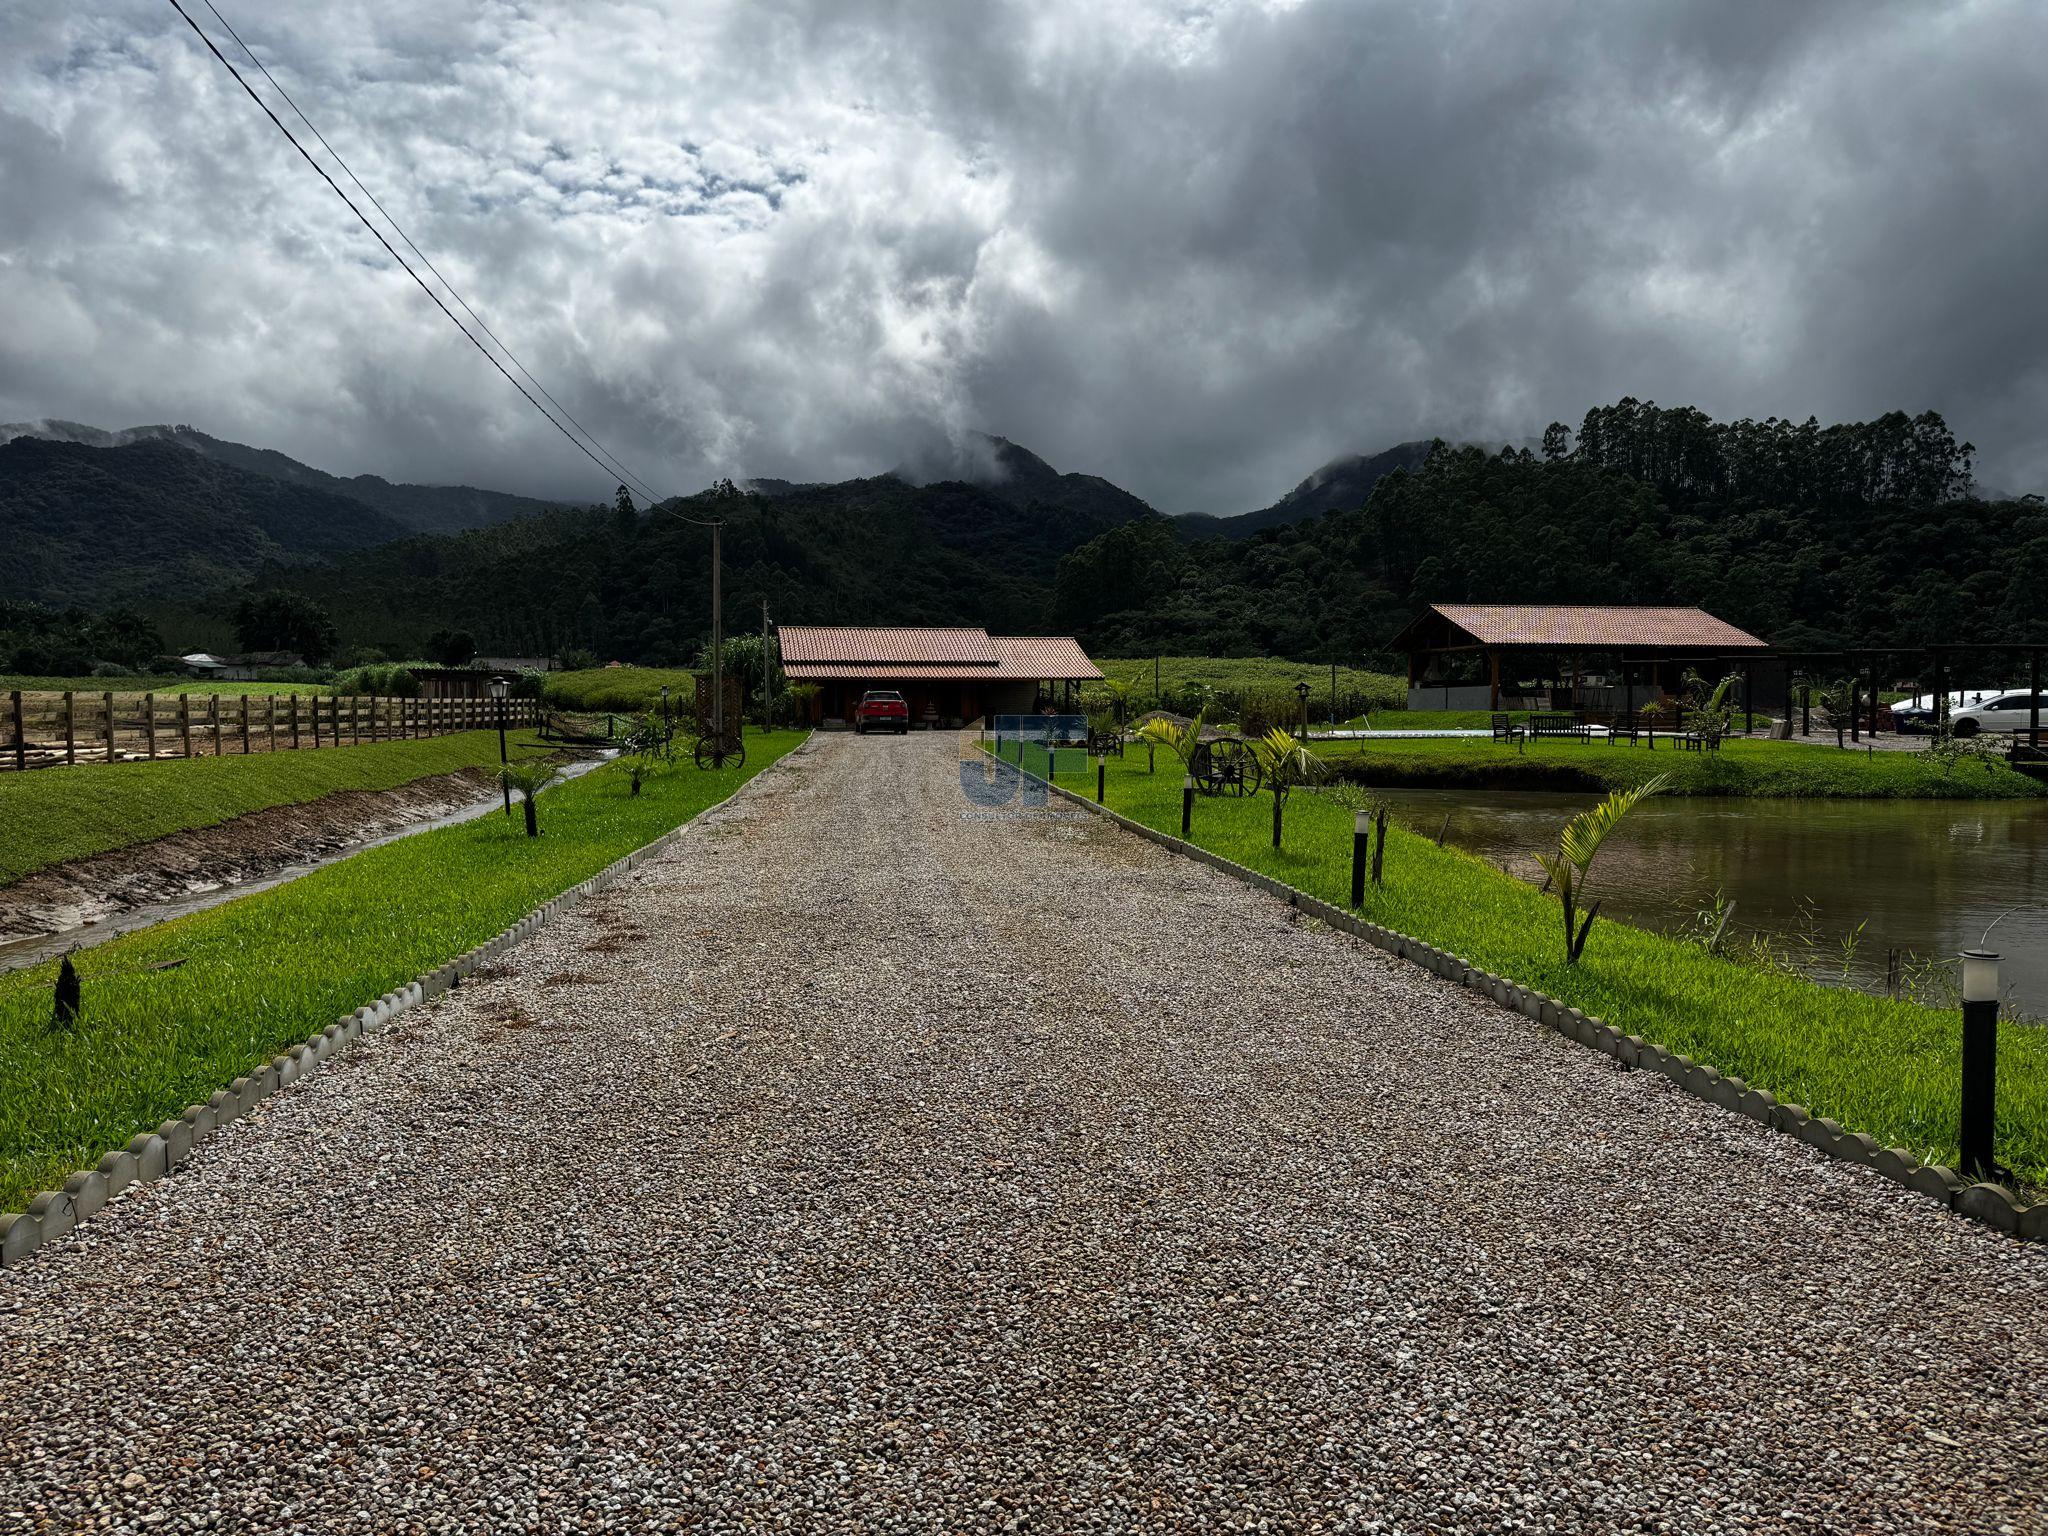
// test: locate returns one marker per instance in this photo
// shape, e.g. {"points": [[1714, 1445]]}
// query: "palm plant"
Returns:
{"points": [[1181, 740], [529, 779], [1836, 702], [1120, 690], [1577, 846], [651, 744], [1711, 715], [1284, 764]]}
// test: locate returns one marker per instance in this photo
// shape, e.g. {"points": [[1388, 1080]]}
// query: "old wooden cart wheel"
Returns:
{"points": [[1226, 766], [714, 753]]}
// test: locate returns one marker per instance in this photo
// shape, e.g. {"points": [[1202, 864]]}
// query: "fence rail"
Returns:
{"points": [[47, 730]]}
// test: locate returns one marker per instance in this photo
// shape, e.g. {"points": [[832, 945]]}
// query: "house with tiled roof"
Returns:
{"points": [[949, 676], [1568, 656]]}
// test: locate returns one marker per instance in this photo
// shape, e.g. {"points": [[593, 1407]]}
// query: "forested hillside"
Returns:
{"points": [[103, 526], [1812, 537], [636, 586]]}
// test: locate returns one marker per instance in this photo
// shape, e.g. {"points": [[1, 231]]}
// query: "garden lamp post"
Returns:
{"points": [[1361, 838], [1101, 774], [1980, 1063], [1301, 691], [498, 690], [664, 708], [1187, 805]]}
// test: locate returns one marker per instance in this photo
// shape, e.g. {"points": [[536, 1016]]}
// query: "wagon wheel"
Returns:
{"points": [[1226, 766], [714, 752]]}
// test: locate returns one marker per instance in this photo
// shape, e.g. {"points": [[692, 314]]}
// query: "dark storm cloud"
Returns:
{"points": [[1197, 248]]}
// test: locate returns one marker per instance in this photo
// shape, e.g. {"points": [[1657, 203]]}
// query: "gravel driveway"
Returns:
{"points": [[871, 1164]]}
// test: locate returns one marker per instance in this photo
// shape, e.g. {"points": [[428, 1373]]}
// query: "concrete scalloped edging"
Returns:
{"points": [[148, 1157], [1991, 1204]]}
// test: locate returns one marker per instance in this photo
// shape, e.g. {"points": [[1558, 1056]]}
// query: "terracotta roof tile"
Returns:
{"points": [[1594, 627], [823, 643]]}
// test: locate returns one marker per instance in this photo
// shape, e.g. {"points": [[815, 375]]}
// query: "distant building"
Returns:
{"points": [[948, 676], [511, 664], [238, 669], [1554, 656]]}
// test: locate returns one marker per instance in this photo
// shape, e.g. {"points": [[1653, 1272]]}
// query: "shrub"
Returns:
{"points": [[111, 669], [1264, 708], [390, 681]]}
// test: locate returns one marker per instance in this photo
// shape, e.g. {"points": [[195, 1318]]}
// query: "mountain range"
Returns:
{"points": [[96, 517]]}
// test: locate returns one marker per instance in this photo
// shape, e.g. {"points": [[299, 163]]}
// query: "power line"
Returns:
{"points": [[613, 459], [321, 170]]}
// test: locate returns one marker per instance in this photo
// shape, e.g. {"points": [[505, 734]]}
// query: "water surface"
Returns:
{"points": [[1925, 877]]}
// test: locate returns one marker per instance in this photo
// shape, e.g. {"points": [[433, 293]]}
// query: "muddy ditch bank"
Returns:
{"points": [[89, 900]]}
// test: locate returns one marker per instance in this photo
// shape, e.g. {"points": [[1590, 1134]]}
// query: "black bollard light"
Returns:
{"points": [[1101, 774], [1051, 760], [1361, 840], [1150, 766], [1278, 801], [1187, 805], [1980, 1063]]}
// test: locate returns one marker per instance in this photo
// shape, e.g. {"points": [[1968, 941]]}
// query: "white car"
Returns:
{"points": [[1917, 713], [2000, 712]]}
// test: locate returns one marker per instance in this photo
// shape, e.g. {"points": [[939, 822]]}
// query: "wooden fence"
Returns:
{"points": [[42, 730]]}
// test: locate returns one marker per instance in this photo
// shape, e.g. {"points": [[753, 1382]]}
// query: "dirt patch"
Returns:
{"points": [[68, 896]]}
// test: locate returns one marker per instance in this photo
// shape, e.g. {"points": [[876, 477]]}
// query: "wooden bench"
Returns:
{"points": [[1542, 727]]}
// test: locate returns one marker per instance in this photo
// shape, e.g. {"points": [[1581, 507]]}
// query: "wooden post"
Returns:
{"points": [[1856, 706], [373, 718], [245, 725], [1493, 663], [185, 723], [1940, 690], [213, 719], [20, 740], [355, 720], [295, 721], [107, 699], [70, 727], [149, 724], [1748, 702], [270, 723]]}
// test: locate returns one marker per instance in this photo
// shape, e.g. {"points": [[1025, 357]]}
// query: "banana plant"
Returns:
{"points": [[529, 779], [1577, 846]]}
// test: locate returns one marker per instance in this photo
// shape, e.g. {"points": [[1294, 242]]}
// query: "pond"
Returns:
{"points": [[1836, 884]]}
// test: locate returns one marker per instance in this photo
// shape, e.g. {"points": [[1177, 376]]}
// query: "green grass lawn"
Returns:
{"points": [[168, 686], [262, 973], [50, 815], [1888, 1068], [1746, 766]]}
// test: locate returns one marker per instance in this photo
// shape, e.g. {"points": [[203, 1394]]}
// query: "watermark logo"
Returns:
{"points": [[1008, 779]]}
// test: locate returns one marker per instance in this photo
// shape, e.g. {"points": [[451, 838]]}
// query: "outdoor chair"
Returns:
{"points": [[1505, 729]]}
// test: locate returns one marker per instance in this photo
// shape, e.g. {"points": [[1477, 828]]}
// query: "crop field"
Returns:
{"points": [[256, 975], [1234, 674], [622, 690], [1744, 766], [171, 687], [55, 814], [1888, 1068]]}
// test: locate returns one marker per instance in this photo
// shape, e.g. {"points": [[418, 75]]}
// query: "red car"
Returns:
{"points": [[881, 709]]}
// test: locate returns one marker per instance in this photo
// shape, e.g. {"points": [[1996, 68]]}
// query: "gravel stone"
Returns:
{"points": [[868, 1162]]}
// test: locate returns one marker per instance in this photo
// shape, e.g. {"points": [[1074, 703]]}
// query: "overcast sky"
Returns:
{"points": [[1199, 248]]}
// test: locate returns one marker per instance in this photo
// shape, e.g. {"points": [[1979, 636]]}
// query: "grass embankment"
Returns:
{"points": [[169, 687], [1891, 1069], [54, 814], [261, 974], [1780, 769]]}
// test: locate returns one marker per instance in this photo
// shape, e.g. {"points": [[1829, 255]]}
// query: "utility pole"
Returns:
{"points": [[767, 674], [717, 648]]}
